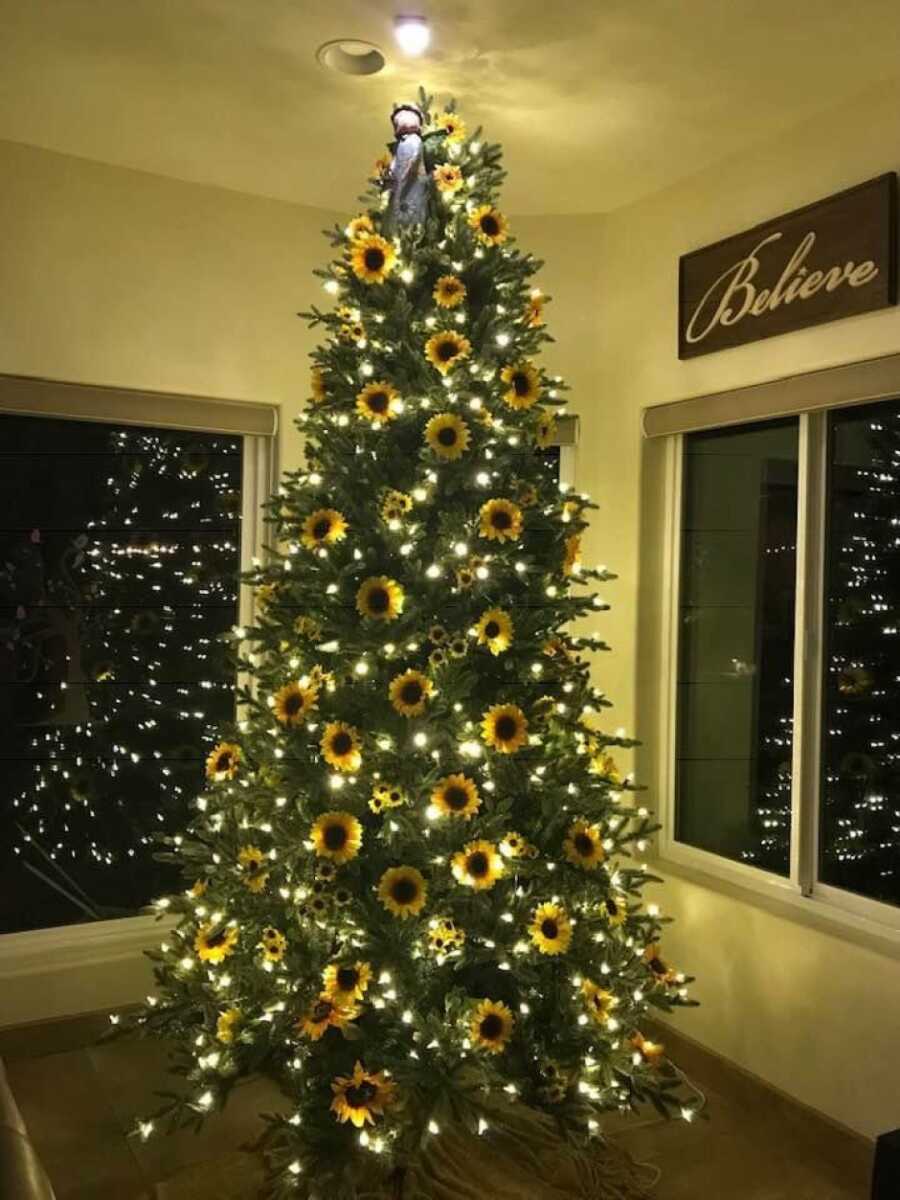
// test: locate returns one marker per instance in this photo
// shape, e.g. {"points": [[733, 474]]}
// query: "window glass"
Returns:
{"points": [[736, 643], [119, 558], [860, 807]]}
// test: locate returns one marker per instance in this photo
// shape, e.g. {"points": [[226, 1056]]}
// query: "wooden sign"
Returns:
{"points": [[832, 259]]}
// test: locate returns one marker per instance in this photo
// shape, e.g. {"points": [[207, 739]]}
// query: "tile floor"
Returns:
{"points": [[80, 1099]]}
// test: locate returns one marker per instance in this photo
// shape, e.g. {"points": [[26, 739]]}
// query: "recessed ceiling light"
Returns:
{"points": [[412, 34], [351, 57]]}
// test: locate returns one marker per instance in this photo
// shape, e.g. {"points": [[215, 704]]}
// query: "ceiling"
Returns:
{"points": [[597, 102]]}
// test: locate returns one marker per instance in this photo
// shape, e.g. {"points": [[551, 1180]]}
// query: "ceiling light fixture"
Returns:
{"points": [[412, 34], [349, 56]]}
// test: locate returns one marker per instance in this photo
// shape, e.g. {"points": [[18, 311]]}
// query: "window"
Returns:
{"points": [[785, 618], [120, 549]]}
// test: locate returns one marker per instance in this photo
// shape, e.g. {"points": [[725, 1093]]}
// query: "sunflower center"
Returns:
{"points": [[550, 929], [446, 350], [584, 844], [322, 1010], [456, 798], [223, 762], [491, 1027], [491, 629], [506, 728], [521, 384], [374, 258], [321, 528], [293, 703], [395, 797], [341, 743], [412, 692], [447, 436], [347, 978], [216, 939], [490, 225], [612, 908], [361, 1094], [500, 519], [479, 864], [335, 837], [379, 600], [404, 891], [657, 966], [378, 402]]}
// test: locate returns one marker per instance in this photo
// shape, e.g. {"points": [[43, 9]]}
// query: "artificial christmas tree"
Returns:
{"points": [[413, 883]]}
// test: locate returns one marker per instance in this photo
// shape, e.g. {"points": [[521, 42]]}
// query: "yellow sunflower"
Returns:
{"points": [[294, 702], [513, 844], [505, 728], [452, 125], [445, 936], [382, 164], [448, 436], [308, 627], [273, 943], [605, 764], [490, 226], [449, 291], [500, 520], [395, 505], [317, 385], [614, 908], [372, 258], [340, 746], [456, 796], [523, 384], [534, 310], [478, 865], [337, 835], [254, 868], [359, 227], [491, 1026], [223, 762], [403, 891], [326, 1013], [377, 402], [572, 556], [213, 943], [448, 179], [650, 1052], [380, 598], [598, 1001], [386, 795], [361, 1097], [444, 350], [659, 968], [322, 528], [550, 929], [545, 433], [225, 1025], [584, 845], [346, 982], [495, 630], [409, 693]]}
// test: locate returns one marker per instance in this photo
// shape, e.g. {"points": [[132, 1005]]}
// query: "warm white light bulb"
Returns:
{"points": [[412, 34]]}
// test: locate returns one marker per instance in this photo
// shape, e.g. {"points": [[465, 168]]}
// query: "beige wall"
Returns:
{"points": [[813, 1012]]}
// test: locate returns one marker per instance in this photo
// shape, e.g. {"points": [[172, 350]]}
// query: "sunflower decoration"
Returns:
{"points": [[505, 728], [324, 1014], [345, 983], [605, 765], [214, 943], [226, 1025], [294, 702], [495, 630], [646, 1051], [437, 635], [336, 835], [659, 968], [198, 888], [361, 1097], [490, 226], [513, 844], [478, 865], [500, 520], [449, 291], [527, 495], [534, 310], [395, 505], [254, 868], [448, 436], [550, 929], [381, 165], [448, 178], [545, 431], [403, 891], [465, 577], [377, 403], [571, 562], [372, 258], [598, 1001], [266, 594], [491, 1026], [445, 349], [380, 598], [317, 385], [437, 659], [386, 795], [445, 936], [341, 747], [409, 693], [614, 909], [223, 762], [458, 647], [523, 385], [359, 227], [273, 943], [583, 845], [308, 628], [323, 527], [453, 126], [456, 796]]}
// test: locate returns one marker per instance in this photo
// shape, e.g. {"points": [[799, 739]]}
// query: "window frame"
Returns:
{"points": [[801, 892], [48, 973]]}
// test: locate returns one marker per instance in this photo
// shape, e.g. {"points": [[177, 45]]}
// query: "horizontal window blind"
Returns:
{"points": [[32, 397], [832, 387]]}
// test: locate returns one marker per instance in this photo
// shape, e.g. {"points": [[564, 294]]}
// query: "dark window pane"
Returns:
{"points": [[736, 643], [119, 556], [860, 822]]}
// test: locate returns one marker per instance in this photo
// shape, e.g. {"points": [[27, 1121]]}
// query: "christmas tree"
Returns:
{"points": [[413, 882], [137, 682]]}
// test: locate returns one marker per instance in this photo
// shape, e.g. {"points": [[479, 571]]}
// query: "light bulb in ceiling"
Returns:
{"points": [[412, 34]]}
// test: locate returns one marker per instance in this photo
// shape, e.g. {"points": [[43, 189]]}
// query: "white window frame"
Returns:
{"points": [[800, 892], [94, 965]]}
